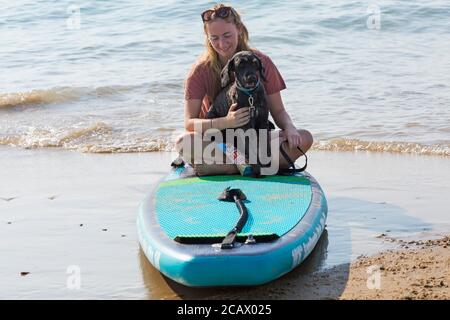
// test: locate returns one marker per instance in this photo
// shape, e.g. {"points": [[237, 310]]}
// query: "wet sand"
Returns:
{"points": [[420, 272], [62, 211]]}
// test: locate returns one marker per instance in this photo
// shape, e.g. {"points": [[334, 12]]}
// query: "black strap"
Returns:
{"points": [[230, 238], [178, 162], [259, 238], [292, 169], [253, 117], [271, 125], [256, 170]]}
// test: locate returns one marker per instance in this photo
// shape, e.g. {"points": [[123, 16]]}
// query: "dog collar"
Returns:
{"points": [[247, 91]]}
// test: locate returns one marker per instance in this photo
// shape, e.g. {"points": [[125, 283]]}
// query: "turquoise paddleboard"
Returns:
{"points": [[181, 225]]}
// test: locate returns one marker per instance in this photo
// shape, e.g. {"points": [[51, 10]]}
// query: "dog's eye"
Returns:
{"points": [[255, 62]]}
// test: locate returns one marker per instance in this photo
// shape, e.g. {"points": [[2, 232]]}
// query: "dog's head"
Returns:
{"points": [[247, 68]]}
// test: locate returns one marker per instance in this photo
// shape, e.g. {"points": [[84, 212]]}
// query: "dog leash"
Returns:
{"points": [[253, 114], [292, 169], [251, 100], [253, 111]]}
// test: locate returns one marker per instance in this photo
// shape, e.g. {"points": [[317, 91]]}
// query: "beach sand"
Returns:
{"points": [[66, 213], [420, 272]]}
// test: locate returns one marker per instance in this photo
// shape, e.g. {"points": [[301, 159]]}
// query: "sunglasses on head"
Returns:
{"points": [[222, 12]]}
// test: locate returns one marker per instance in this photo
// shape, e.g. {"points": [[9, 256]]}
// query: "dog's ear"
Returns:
{"points": [[260, 68], [226, 73]]}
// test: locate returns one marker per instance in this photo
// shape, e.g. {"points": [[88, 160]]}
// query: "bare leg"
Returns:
{"points": [[224, 169], [185, 146], [215, 169]]}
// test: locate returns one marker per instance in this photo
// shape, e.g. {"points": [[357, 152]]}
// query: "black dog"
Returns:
{"points": [[247, 90]]}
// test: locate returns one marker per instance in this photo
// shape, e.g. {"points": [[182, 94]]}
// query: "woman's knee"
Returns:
{"points": [[185, 144], [186, 139], [307, 139]]}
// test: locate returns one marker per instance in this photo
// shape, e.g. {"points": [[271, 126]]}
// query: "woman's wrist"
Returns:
{"points": [[219, 123], [290, 128]]}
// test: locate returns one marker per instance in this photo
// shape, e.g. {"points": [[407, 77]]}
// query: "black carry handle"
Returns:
{"points": [[237, 196]]}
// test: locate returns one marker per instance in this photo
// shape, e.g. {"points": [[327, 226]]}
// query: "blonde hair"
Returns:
{"points": [[211, 57]]}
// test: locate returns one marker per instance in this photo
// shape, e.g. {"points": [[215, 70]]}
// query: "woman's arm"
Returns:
{"points": [[191, 120], [193, 123], [278, 112], [283, 120]]}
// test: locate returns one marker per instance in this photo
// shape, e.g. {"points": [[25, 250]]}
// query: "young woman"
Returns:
{"points": [[225, 35]]}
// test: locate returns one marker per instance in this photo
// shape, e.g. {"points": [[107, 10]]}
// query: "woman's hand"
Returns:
{"points": [[237, 118], [293, 138]]}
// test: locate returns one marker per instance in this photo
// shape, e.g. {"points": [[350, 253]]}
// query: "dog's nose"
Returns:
{"points": [[252, 77]]}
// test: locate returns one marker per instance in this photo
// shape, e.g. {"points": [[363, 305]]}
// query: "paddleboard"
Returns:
{"points": [[181, 224]]}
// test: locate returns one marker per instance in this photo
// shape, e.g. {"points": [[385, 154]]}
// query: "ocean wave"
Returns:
{"points": [[100, 138], [44, 138], [383, 146], [95, 138], [152, 145], [57, 95]]}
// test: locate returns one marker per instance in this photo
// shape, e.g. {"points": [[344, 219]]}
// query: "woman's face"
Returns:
{"points": [[224, 37]]}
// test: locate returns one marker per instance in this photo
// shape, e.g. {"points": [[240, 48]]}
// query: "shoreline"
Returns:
{"points": [[69, 141]]}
